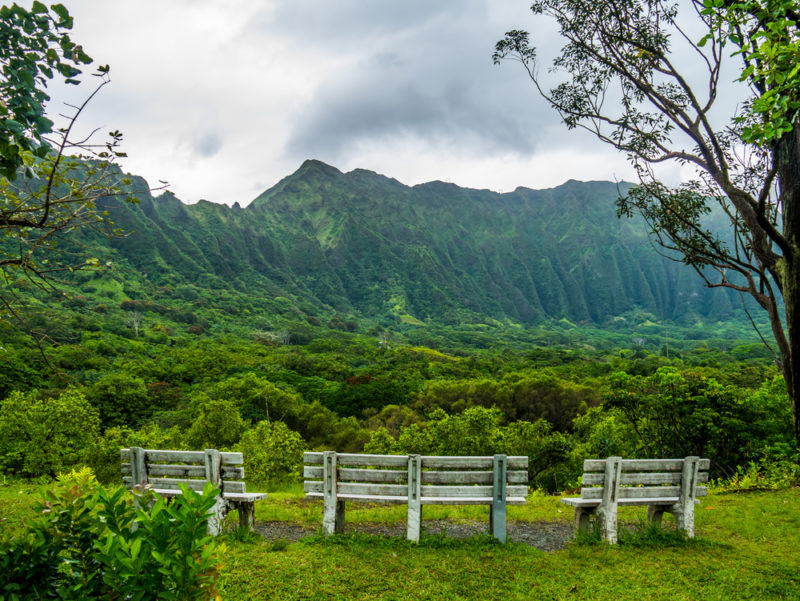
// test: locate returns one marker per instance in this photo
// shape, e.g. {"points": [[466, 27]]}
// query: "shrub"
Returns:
{"points": [[218, 424], [42, 436], [272, 452], [102, 455], [83, 546]]}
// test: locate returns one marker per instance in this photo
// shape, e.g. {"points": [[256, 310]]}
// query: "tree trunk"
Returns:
{"points": [[787, 159]]}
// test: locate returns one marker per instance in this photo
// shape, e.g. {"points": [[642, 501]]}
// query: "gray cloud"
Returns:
{"points": [[207, 144], [435, 82]]}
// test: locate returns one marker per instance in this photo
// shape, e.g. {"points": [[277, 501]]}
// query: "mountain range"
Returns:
{"points": [[363, 244]]}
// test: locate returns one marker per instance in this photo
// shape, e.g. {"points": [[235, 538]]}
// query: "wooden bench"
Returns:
{"points": [[416, 480], [664, 485], [164, 472]]}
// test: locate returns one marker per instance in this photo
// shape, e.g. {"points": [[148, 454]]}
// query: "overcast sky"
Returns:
{"points": [[223, 98]]}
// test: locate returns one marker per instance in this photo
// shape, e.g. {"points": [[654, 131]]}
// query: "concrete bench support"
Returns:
{"points": [[164, 471], [416, 480], [663, 485]]}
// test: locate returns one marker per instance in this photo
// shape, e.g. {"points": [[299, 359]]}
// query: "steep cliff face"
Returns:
{"points": [[364, 243]]}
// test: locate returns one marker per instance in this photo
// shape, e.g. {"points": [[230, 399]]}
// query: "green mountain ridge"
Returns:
{"points": [[364, 244]]}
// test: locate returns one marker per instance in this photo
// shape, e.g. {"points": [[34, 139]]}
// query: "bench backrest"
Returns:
{"points": [[387, 477], [166, 470], [645, 478]]}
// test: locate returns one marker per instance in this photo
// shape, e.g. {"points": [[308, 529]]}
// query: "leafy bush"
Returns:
{"points": [[43, 436], [272, 452], [218, 424], [102, 455], [94, 544], [761, 475], [121, 399]]}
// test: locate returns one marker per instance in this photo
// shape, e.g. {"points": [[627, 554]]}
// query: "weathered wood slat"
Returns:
{"points": [[169, 483], [158, 455], [399, 476], [470, 491], [232, 473], [470, 501], [372, 460], [476, 463], [596, 479], [389, 490], [184, 471], [643, 465], [246, 497], [232, 486], [471, 477], [349, 474], [638, 492], [579, 502], [314, 458], [312, 472]]}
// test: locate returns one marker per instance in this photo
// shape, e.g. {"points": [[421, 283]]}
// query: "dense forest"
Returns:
{"points": [[349, 312]]}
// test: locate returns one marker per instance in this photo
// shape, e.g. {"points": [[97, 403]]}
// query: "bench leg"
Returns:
{"points": [[414, 520], [684, 518], [247, 515], [333, 517], [607, 518], [582, 518], [654, 514], [216, 517], [497, 520]]}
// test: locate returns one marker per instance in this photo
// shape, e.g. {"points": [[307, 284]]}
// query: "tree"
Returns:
{"points": [[630, 77], [50, 179], [42, 436]]}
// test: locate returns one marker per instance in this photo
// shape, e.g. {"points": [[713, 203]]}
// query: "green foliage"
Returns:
{"points": [[218, 424], [272, 453], [42, 435], [36, 47], [768, 473], [765, 36], [121, 399], [102, 454], [676, 414], [84, 545]]}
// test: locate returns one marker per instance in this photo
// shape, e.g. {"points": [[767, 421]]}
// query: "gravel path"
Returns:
{"points": [[546, 536]]}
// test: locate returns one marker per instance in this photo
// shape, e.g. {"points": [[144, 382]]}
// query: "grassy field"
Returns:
{"points": [[747, 548]]}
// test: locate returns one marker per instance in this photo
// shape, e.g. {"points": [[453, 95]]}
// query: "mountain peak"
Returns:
{"points": [[316, 168]]}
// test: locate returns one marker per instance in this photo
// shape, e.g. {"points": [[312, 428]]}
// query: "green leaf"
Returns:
{"points": [[61, 11]]}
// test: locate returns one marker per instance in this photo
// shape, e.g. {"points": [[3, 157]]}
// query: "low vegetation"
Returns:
{"points": [[745, 549]]}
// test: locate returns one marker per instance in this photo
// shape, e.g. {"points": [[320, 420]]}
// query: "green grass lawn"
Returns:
{"points": [[748, 547]]}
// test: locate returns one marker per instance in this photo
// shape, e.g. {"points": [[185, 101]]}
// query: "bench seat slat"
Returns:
{"points": [[174, 484], [578, 502], [470, 491], [424, 500], [642, 492], [244, 496], [364, 498], [469, 501]]}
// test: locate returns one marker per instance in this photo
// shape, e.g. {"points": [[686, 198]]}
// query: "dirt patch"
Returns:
{"points": [[546, 536]]}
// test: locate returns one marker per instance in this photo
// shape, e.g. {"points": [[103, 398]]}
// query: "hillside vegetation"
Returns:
{"points": [[365, 244]]}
